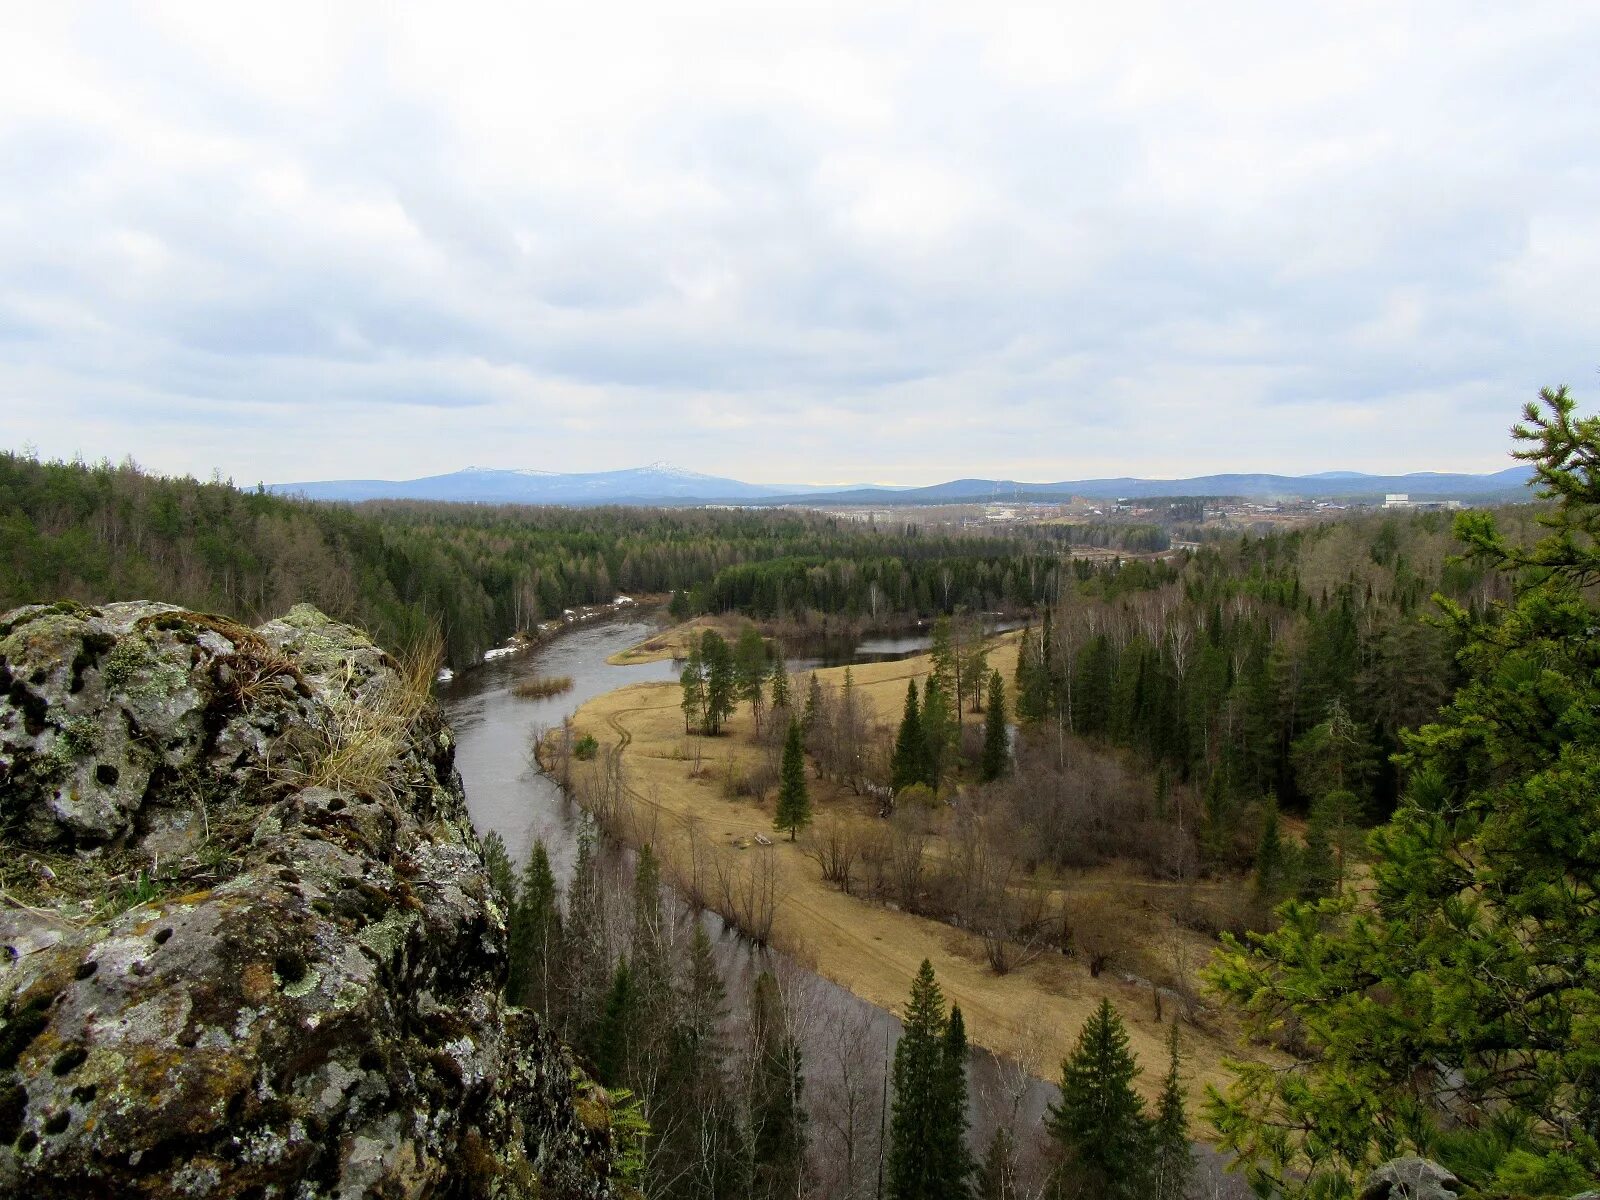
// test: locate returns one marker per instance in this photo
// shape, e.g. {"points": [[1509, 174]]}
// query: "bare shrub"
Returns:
{"points": [[747, 891], [834, 844], [1099, 929]]}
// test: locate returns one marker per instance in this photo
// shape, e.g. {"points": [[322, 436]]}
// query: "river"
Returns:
{"points": [[509, 796]]}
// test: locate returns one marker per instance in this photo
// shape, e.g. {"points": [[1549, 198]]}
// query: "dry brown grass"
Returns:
{"points": [[875, 950], [540, 687], [355, 748]]}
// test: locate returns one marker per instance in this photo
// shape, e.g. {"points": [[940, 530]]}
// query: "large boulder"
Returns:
{"points": [[1410, 1178], [248, 947]]}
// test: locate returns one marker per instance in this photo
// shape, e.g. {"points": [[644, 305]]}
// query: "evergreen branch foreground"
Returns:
{"points": [[1453, 1011]]}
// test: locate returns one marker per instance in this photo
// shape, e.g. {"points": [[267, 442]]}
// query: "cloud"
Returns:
{"points": [[800, 242]]}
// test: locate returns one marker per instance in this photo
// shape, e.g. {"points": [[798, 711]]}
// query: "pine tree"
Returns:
{"points": [[908, 765], [794, 803], [750, 671], [974, 670], [693, 681], [1464, 979], [996, 737], [720, 681], [1171, 1158], [923, 1162], [942, 652], [1099, 1125]]}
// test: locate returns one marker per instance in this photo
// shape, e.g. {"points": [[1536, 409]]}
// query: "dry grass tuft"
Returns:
{"points": [[355, 749], [540, 687]]}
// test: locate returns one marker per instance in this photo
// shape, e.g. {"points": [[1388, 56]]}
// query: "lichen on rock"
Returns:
{"points": [[227, 969]]}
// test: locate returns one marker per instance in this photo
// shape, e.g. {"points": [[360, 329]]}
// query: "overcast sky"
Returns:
{"points": [[800, 243]]}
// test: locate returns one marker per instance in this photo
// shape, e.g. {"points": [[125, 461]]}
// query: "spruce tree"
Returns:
{"points": [[1100, 1125], [997, 1175], [777, 1114], [649, 954], [536, 936], [711, 1153], [1319, 870], [779, 686], [1270, 865], [996, 737], [938, 733], [502, 875], [910, 754], [794, 804], [586, 950], [813, 709], [923, 1162], [951, 1139], [614, 1038], [1171, 1158]]}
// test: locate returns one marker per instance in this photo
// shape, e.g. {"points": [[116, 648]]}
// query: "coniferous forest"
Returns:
{"points": [[1417, 693]]}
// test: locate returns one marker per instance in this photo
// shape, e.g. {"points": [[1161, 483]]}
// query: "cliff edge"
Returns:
{"points": [[248, 947]]}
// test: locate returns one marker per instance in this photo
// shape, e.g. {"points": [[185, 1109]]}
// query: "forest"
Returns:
{"points": [[1415, 959], [477, 573], [1381, 729]]}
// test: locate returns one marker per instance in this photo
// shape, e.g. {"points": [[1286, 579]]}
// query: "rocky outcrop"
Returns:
{"points": [[1410, 1178], [247, 944]]}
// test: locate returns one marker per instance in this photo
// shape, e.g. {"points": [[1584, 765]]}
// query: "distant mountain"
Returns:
{"points": [[660, 483], [1329, 485]]}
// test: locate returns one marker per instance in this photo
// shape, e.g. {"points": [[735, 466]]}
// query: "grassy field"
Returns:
{"points": [[678, 804]]}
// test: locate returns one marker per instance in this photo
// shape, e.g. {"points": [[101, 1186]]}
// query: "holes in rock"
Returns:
{"points": [[27, 1141], [69, 1061], [39, 676], [86, 969], [13, 1103], [20, 1030], [290, 966], [371, 1060], [336, 804], [86, 1093], [162, 935], [107, 774], [57, 1123]]}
